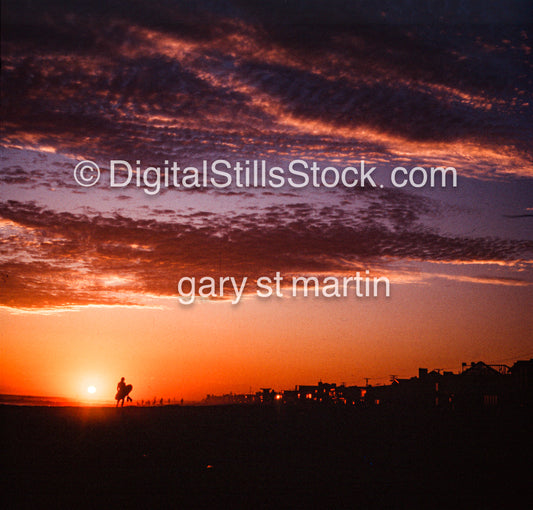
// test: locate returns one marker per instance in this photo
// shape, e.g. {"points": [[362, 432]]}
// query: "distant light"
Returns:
{"points": [[91, 389]]}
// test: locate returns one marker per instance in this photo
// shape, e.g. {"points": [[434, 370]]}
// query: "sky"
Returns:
{"points": [[89, 275]]}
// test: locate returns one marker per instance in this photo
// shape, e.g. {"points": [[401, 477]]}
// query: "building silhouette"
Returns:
{"points": [[478, 385]]}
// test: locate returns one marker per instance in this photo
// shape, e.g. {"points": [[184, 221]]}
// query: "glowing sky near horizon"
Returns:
{"points": [[88, 276]]}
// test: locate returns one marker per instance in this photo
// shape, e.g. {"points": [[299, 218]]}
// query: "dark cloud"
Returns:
{"points": [[186, 81], [125, 78], [75, 259]]}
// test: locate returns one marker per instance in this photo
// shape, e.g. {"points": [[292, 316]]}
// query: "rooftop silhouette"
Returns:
{"points": [[478, 384]]}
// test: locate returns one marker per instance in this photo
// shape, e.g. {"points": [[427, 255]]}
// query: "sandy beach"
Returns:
{"points": [[262, 457]]}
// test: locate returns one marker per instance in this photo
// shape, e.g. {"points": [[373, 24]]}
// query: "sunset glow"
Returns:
{"points": [[89, 274], [266, 254]]}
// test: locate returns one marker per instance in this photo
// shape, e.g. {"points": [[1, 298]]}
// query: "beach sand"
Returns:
{"points": [[262, 457]]}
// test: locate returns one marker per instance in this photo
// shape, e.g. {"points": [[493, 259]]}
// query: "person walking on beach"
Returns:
{"points": [[123, 392]]}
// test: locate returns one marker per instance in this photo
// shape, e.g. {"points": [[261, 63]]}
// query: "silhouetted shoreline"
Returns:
{"points": [[265, 456]]}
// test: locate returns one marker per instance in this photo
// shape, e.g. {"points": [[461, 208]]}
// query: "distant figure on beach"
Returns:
{"points": [[123, 392]]}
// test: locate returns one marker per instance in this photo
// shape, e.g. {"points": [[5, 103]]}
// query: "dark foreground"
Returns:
{"points": [[263, 457]]}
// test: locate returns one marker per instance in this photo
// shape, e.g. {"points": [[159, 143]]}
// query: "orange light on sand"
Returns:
{"points": [[91, 389]]}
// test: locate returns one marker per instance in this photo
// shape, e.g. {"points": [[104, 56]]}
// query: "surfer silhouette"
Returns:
{"points": [[123, 392]]}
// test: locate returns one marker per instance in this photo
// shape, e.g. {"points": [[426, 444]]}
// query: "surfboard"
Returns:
{"points": [[124, 392]]}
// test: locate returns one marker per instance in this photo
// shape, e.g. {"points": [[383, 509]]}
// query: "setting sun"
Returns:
{"points": [[91, 389]]}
